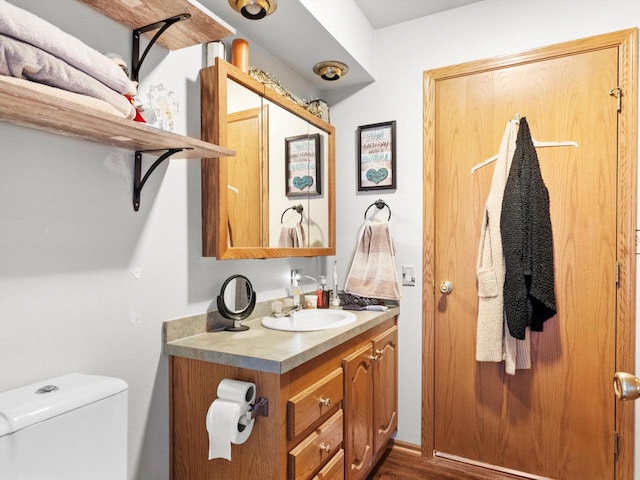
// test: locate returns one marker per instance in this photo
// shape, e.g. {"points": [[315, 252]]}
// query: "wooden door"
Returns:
{"points": [[248, 213], [358, 411], [556, 420], [385, 384]]}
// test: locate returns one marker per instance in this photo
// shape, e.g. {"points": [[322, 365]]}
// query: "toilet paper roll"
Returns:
{"points": [[227, 423], [237, 391]]}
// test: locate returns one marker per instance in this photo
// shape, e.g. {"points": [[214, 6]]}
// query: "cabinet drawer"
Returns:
{"points": [[334, 470], [314, 451], [313, 402]]}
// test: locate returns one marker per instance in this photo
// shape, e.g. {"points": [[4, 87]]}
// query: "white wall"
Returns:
{"points": [[86, 282], [483, 30]]}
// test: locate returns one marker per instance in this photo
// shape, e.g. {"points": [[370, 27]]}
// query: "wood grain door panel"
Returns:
{"points": [[385, 405], [358, 411], [556, 419]]}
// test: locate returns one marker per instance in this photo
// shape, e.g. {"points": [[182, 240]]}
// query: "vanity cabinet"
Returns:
{"points": [[370, 402], [312, 408]]}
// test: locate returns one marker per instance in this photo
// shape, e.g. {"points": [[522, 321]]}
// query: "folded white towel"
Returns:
{"points": [[29, 28], [22, 60], [373, 269]]}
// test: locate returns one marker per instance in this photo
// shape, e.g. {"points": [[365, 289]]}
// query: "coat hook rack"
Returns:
{"points": [[138, 183], [298, 208], [380, 204], [136, 59]]}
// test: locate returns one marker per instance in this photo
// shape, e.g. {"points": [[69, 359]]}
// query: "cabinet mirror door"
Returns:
{"points": [[275, 198]]}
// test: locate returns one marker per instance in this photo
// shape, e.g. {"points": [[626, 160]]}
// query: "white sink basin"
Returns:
{"points": [[310, 320]]}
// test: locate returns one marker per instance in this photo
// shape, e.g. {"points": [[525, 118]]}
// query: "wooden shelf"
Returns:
{"points": [[202, 27], [41, 111]]}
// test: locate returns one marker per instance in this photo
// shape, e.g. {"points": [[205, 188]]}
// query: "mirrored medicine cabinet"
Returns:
{"points": [[276, 197]]}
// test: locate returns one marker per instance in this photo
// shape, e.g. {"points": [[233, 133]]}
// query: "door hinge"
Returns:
{"points": [[617, 273], [616, 441], [617, 92]]}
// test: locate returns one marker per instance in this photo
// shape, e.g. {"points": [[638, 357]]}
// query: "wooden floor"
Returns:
{"points": [[403, 464]]}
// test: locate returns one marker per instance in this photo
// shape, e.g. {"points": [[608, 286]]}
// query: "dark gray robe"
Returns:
{"points": [[527, 241]]}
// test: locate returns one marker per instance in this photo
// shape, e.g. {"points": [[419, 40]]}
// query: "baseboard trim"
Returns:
{"points": [[406, 447], [453, 464]]}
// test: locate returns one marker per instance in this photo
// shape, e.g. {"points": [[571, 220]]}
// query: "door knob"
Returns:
{"points": [[446, 287], [626, 386]]}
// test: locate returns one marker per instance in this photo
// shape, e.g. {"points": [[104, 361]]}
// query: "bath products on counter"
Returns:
{"points": [[335, 301], [324, 294], [311, 301], [295, 291]]}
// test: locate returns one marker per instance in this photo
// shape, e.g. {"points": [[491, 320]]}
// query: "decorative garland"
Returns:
{"points": [[316, 107]]}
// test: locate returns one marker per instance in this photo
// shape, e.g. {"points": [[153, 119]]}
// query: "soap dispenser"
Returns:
{"points": [[295, 290]]}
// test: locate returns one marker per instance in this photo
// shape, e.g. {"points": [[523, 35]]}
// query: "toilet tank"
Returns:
{"points": [[72, 427]]}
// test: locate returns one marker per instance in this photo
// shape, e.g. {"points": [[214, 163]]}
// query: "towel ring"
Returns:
{"points": [[298, 208], [380, 204]]}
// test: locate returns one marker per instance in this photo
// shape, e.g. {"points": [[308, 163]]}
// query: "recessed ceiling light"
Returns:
{"points": [[254, 9], [330, 70]]}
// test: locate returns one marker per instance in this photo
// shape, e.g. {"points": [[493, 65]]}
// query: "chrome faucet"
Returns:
{"points": [[286, 311], [289, 310]]}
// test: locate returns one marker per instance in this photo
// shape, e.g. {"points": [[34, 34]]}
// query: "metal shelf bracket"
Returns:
{"points": [[162, 25], [139, 182]]}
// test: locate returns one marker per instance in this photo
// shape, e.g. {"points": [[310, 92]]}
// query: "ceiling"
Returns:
{"points": [[384, 13], [295, 37]]}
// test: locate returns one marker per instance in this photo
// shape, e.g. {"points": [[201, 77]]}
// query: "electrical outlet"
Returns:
{"points": [[408, 276], [297, 275]]}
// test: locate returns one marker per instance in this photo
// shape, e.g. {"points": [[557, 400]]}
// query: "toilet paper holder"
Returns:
{"points": [[260, 408]]}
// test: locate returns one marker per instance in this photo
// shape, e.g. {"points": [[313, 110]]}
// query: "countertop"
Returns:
{"points": [[260, 348]]}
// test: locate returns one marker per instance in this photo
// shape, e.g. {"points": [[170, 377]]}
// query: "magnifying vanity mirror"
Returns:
{"points": [[285, 158], [236, 301]]}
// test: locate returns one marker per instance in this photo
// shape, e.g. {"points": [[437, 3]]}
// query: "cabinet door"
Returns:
{"points": [[385, 381], [358, 410]]}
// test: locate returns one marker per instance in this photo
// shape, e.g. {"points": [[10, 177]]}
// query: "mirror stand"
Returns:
{"points": [[236, 301]]}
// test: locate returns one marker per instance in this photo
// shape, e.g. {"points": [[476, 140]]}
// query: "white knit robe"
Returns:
{"points": [[493, 341]]}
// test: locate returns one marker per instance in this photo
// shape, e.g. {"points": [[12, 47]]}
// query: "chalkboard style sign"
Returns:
{"points": [[377, 156], [302, 165]]}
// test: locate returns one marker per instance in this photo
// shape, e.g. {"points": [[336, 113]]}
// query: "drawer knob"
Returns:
{"points": [[379, 353], [324, 402], [325, 448]]}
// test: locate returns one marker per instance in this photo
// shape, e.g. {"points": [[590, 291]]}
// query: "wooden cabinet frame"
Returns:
{"points": [[192, 388]]}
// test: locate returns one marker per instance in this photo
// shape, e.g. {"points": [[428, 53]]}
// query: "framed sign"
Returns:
{"points": [[302, 165], [377, 156]]}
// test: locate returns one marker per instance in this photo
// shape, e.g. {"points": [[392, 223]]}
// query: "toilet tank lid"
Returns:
{"points": [[23, 407]]}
